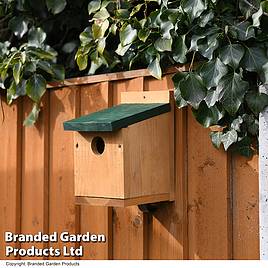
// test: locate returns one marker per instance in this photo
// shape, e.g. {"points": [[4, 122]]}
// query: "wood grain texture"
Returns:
{"points": [[99, 175], [130, 234], [146, 97], [152, 84], [209, 225], [129, 224], [148, 168], [10, 172], [96, 219], [135, 84], [121, 203], [63, 214], [35, 174], [121, 76], [167, 237], [245, 208]]}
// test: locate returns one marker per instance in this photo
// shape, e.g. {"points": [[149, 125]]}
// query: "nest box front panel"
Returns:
{"points": [[99, 168]]}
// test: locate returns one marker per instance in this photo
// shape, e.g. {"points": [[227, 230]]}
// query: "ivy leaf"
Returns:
{"points": [[194, 8], [58, 72], [212, 97], [101, 45], [19, 26], [155, 69], [244, 147], [96, 63], [247, 8], [36, 37], [179, 49], [192, 89], [194, 42], [207, 47], [56, 6], [242, 31], [204, 19], [236, 124], [229, 138], [256, 101], [82, 60], [14, 91], [144, 34], [36, 87], [212, 71], [122, 14], [121, 50], [86, 36], [42, 54], [113, 28], [216, 139], [180, 102], [256, 17], [251, 123], [232, 90], [99, 29], [254, 59], [93, 6], [45, 66], [33, 116], [232, 55], [162, 44], [264, 73], [11, 91], [101, 15], [127, 35], [207, 116], [166, 27], [136, 9], [177, 78], [17, 72]]}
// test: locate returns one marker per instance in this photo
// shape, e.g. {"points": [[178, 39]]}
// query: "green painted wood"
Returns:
{"points": [[116, 117]]}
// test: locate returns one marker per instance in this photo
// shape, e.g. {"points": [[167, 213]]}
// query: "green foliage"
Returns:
{"points": [[228, 39], [38, 41], [225, 44]]}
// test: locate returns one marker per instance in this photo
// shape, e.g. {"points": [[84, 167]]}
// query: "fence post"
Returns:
{"points": [[263, 181]]}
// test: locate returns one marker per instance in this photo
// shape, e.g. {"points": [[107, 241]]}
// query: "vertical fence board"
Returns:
{"points": [[96, 219], [129, 224], [167, 235], [208, 197], [245, 208], [10, 172], [35, 175], [63, 214], [181, 153], [129, 234]]}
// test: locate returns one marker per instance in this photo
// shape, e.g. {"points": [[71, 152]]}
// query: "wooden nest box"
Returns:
{"points": [[124, 155]]}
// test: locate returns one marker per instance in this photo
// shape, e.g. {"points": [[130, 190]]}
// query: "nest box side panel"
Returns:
{"points": [[99, 175], [148, 150]]}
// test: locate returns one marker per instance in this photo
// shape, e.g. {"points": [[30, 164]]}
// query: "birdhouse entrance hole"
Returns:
{"points": [[97, 145]]}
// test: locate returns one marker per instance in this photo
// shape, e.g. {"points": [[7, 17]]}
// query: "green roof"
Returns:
{"points": [[116, 117]]}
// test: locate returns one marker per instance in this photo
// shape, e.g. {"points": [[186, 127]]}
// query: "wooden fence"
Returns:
{"points": [[214, 216]]}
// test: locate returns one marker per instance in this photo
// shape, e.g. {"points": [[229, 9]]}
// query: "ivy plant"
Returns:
{"points": [[38, 40], [225, 44], [228, 39]]}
